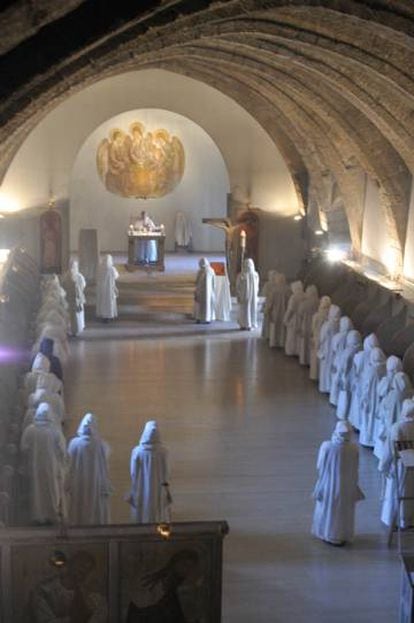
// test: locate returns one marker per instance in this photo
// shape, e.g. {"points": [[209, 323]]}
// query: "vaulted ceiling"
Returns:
{"points": [[331, 81]]}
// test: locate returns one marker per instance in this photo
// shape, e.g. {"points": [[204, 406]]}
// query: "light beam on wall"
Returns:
{"points": [[335, 254], [8, 203], [391, 260]]}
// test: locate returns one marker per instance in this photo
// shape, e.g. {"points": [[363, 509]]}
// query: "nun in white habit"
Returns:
{"points": [[328, 330], [307, 310], [317, 322], [44, 456], [403, 430], [390, 410], [291, 319], [89, 486], [277, 309], [267, 294], [336, 491], [106, 290], [345, 372], [393, 365], [369, 396], [55, 401], [204, 295], [359, 366], [338, 345], [247, 290], [150, 497], [74, 285]]}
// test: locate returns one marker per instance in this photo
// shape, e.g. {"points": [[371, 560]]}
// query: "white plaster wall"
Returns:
{"points": [[408, 269], [43, 164], [374, 231], [202, 191]]}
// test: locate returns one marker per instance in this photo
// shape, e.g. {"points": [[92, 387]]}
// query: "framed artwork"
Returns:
{"points": [[165, 583], [50, 242], [112, 574], [140, 163], [62, 582]]}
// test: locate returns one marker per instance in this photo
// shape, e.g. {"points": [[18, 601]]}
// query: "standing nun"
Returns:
{"points": [[106, 290], [150, 498], [393, 365], [403, 430], [306, 311], [338, 345], [74, 285], [88, 483], [336, 491], [390, 410], [43, 450], [360, 364], [328, 330], [204, 295], [247, 290], [345, 373], [291, 320], [267, 294], [277, 310], [369, 396], [317, 322]]}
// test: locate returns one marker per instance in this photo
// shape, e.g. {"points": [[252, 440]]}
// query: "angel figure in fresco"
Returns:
{"points": [[164, 588], [117, 157], [135, 148]]}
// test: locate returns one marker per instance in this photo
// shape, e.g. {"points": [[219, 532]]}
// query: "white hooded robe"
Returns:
{"points": [[149, 497], [43, 450], [400, 431], [359, 366], [307, 310], [369, 396], [247, 290], [390, 410], [317, 321], [328, 330], [393, 365], [88, 481], [346, 373], [337, 346], [291, 319], [336, 491], [106, 290], [204, 295], [277, 309], [267, 294], [74, 284]]}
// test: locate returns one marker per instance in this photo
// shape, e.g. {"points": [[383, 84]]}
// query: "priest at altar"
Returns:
{"points": [[146, 250]]}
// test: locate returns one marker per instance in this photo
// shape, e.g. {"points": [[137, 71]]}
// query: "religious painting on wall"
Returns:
{"points": [[63, 583], [165, 582], [50, 242], [140, 163]]}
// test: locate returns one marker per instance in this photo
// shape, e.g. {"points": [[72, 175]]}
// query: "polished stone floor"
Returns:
{"points": [[242, 424]]}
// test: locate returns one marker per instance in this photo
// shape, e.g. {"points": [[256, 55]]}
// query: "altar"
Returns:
{"points": [[135, 238]]}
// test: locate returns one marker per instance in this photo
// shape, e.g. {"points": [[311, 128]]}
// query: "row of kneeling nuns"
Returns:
{"points": [[371, 393], [72, 484]]}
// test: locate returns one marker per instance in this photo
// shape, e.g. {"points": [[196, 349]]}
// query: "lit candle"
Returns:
{"points": [[243, 239]]}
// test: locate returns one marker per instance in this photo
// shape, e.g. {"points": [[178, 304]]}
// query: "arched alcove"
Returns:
{"points": [[201, 192]]}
